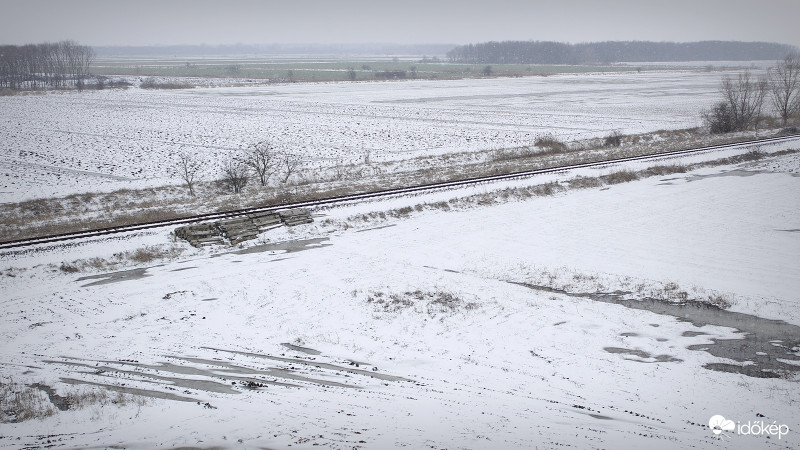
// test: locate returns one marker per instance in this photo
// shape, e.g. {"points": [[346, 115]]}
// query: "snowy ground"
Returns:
{"points": [[417, 332], [68, 142]]}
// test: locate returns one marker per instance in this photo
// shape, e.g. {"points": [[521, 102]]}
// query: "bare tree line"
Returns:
{"points": [[745, 95], [261, 161], [56, 65], [549, 52]]}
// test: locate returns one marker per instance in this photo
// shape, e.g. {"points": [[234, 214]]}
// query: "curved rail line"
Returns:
{"points": [[382, 193]]}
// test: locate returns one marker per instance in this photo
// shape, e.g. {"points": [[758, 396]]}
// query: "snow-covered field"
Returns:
{"points": [[447, 329], [69, 142]]}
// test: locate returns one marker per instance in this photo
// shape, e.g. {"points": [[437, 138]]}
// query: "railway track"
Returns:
{"points": [[20, 243]]}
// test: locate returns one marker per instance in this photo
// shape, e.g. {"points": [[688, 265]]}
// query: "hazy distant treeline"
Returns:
{"points": [[273, 49], [544, 52], [44, 65]]}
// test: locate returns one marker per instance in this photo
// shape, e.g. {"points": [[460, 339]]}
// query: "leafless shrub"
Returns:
{"points": [[235, 175], [188, 167], [290, 164], [263, 159], [785, 86], [741, 108]]}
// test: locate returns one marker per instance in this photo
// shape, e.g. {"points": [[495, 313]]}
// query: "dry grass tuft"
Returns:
{"points": [[551, 144], [622, 176], [19, 403], [141, 255]]}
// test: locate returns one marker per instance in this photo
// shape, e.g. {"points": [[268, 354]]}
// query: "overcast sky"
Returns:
{"points": [[163, 22]]}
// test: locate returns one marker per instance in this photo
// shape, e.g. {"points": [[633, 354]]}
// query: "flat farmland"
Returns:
{"points": [[61, 143]]}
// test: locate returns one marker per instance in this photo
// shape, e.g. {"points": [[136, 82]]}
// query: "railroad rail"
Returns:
{"points": [[17, 243]]}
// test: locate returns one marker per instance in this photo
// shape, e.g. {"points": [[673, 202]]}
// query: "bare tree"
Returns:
{"points": [[263, 159], [234, 175], [289, 164], [785, 86], [745, 98], [187, 167], [35, 65]]}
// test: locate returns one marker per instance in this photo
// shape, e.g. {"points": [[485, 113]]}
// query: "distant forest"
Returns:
{"points": [[544, 52], [44, 65], [271, 49]]}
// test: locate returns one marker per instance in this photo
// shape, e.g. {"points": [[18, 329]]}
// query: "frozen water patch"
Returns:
{"points": [[765, 349]]}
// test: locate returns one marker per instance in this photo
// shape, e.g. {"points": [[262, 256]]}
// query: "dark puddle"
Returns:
{"points": [[297, 348], [286, 247], [183, 268], [115, 277], [187, 375], [642, 355], [730, 173], [792, 231], [62, 403], [446, 270], [220, 377], [758, 351], [130, 390]]}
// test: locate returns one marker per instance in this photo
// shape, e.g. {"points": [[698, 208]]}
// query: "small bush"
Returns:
{"points": [[613, 140], [720, 119]]}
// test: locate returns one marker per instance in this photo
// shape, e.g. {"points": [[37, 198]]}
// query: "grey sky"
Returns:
{"points": [[145, 22]]}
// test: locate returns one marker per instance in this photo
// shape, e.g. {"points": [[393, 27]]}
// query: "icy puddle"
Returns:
{"points": [[286, 247], [139, 273], [766, 349], [115, 277], [231, 372]]}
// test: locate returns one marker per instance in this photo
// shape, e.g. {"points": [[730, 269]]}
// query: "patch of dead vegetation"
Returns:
{"points": [[431, 302], [142, 255]]}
